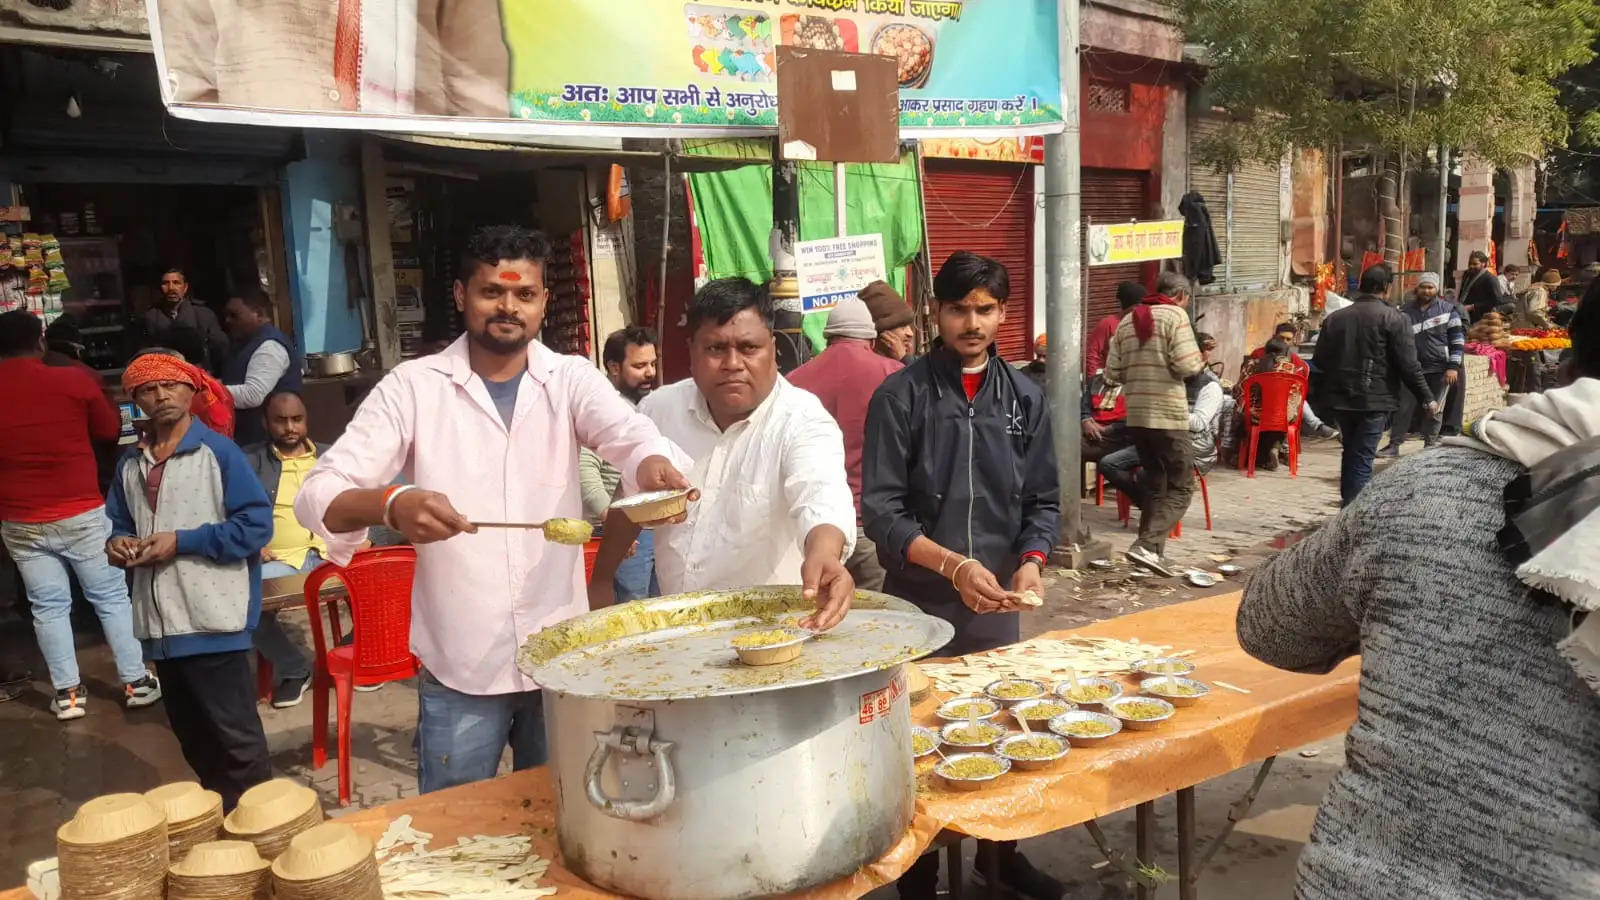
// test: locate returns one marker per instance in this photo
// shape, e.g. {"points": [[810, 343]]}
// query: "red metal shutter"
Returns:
{"points": [[1111, 195], [987, 208]]}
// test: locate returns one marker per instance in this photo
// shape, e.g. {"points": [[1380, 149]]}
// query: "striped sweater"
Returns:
{"points": [[1473, 768], [1152, 373]]}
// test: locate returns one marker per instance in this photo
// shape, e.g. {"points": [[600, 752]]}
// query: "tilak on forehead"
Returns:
{"points": [[510, 276]]}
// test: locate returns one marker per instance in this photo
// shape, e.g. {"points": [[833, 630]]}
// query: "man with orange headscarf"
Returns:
{"points": [[196, 576]]}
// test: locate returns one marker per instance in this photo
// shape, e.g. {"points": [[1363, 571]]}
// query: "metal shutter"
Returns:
{"points": [[1110, 195], [1252, 260], [987, 208]]}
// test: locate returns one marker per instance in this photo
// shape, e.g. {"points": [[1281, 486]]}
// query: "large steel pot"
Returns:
{"points": [[683, 775], [330, 365]]}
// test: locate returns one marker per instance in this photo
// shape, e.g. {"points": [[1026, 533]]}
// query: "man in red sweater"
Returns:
{"points": [[843, 377], [1129, 293], [52, 516]]}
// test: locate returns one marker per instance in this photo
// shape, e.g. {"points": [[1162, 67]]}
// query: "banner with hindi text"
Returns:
{"points": [[647, 68]]}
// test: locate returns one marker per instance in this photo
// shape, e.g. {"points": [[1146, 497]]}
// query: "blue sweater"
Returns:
{"points": [[208, 598]]}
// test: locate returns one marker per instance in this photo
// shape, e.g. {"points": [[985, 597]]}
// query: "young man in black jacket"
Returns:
{"points": [[959, 492], [1366, 355]]}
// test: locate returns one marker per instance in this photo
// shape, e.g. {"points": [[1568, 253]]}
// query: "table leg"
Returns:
{"points": [[1187, 875], [1144, 828], [989, 858], [953, 869]]}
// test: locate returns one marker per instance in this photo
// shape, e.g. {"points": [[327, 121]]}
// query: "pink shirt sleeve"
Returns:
{"points": [[369, 454], [620, 434]]}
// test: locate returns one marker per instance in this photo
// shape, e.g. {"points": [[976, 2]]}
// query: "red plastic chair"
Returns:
{"points": [[590, 551], [1271, 414], [1125, 505], [378, 583]]}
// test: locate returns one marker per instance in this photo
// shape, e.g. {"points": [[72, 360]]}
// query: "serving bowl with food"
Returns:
{"points": [[1011, 691], [1042, 710], [1163, 665], [1140, 713], [971, 735], [769, 646], [971, 771], [1090, 691], [923, 741], [1032, 751], [654, 506], [1083, 728], [960, 709], [1175, 690]]}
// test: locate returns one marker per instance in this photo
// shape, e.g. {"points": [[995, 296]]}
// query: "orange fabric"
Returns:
{"points": [[158, 367], [1227, 731], [213, 404]]}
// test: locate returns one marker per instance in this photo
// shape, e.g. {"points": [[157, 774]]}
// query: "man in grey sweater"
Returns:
{"points": [[1473, 768]]}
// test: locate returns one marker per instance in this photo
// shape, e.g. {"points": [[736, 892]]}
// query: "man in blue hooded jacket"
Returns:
{"points": [[189, 518]]}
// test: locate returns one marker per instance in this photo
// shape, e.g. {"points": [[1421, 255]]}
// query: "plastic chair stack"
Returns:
{"points": [[1270, 413], [378, 583]]}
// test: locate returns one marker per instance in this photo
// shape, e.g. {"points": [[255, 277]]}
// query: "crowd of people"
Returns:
{"points": [[929, 477]]}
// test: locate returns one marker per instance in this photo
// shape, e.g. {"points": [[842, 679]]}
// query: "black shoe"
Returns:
{"points": [[289, 693], [1021, 876], [1390, 452]]}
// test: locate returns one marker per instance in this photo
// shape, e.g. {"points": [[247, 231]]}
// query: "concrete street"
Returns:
{"points": [[47, 768]]}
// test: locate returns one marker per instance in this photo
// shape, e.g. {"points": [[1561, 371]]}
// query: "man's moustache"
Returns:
{"points": [[505, 320]]}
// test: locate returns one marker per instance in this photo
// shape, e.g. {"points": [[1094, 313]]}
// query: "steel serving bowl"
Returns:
{"points": [[998, 690], [1062, 725], [1003, 749], [946, 710], [1119, 707], [1064, 691], [957, 783], [1161, 686]]}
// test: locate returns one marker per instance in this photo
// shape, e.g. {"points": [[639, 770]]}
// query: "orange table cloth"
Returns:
{"points": [[1226, 731]]}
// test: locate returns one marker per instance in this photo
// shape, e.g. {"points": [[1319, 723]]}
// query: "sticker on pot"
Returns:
{"points": [[876, 704]]}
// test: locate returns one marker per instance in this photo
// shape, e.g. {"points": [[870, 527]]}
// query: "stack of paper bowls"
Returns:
{"points": [[269, 815], [194, 815], [328, 862], [221, 870], [114, 848]]}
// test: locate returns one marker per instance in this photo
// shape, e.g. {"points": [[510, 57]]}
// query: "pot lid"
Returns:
{"points": [[678, 647]]}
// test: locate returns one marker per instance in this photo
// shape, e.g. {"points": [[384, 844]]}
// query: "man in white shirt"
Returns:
{"points": [[264, 361], [775, 505]]}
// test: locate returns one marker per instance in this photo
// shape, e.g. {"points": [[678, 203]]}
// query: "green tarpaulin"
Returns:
{"points": [[733, 209]]}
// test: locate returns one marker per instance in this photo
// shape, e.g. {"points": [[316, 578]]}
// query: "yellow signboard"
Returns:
{"points": [[1130, 242]]}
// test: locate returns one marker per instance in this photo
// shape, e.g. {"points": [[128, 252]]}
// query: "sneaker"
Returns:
{"points": [[1325, 432], [1143, 556], [143, 692], [69, 704], [289, 693], [1024, 879], [1390, 452], [369, 688]]}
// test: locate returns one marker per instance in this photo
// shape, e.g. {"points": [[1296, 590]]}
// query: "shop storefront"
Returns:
{"points": [[987, 208], [113, 194]]}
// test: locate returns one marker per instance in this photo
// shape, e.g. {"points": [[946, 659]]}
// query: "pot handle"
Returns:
{"points": [[630, 810]]}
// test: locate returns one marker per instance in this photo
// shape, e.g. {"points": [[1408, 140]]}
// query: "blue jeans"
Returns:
{"points": [[43, 552], [1360, 432], [289, 662], [460, 736], [636, 576]]}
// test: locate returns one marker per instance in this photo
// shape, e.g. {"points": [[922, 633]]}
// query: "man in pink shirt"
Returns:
{"points": [[488, 429], [843, 377]]}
